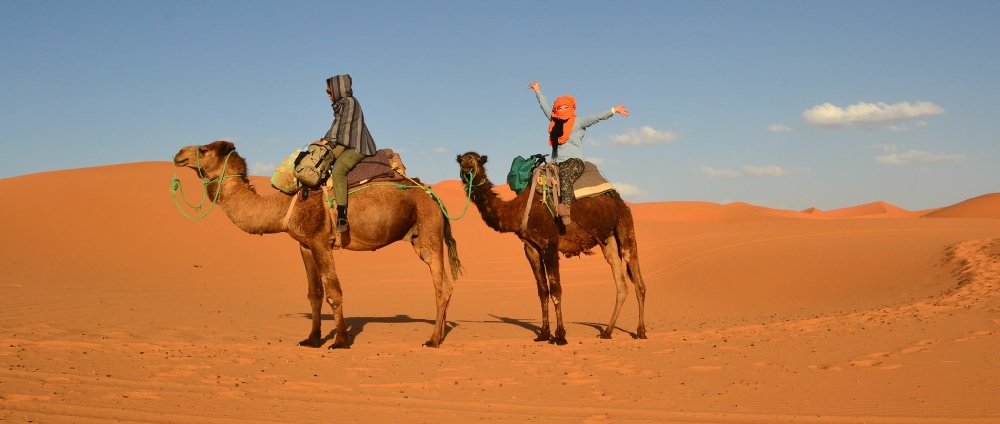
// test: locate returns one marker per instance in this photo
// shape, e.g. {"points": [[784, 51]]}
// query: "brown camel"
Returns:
{"points": [[381, 215], [603, 220]]}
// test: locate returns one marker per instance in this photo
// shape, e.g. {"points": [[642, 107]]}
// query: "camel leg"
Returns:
{"points": [[538, 269], [630, 256], [334, 295], [611, 253], [550, 256], [315, 295], [433, 255]]}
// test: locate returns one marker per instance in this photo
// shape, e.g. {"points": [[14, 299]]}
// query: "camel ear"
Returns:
{"points": [[482, 159], [225, 147], [458, 158]]}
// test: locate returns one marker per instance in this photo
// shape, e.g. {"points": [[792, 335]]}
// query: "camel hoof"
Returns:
{"points": [[558, 341], [641, 335], [543, 338], [431, 344], [313, 343], [339, 346], [339, 342], [605, 336]]}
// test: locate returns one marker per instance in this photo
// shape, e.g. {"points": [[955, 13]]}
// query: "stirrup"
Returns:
{"points": [[341, 224]]}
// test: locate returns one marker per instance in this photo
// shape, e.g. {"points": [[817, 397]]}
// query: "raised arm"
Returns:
{"points": [[542, 101]]}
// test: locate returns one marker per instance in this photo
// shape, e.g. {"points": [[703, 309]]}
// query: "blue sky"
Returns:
{"points": [[786, 104]]}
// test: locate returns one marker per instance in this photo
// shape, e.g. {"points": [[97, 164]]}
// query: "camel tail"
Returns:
{"points": [[456, 264]]}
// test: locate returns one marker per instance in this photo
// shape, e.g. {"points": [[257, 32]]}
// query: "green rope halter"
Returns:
{"points": [[175, 185]]}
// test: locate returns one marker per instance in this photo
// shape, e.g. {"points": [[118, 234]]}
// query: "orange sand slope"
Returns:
{"points": [[116, 308], [985, 206]]}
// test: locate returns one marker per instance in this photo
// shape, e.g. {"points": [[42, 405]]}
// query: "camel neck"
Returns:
{"points": [[251, 212], [500, 215]]}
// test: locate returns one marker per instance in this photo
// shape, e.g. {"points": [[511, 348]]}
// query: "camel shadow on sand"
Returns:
{"points": [[528, 325], [356, 325]]}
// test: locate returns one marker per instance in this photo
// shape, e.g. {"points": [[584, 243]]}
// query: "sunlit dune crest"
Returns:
{"points": [[985, 206]]}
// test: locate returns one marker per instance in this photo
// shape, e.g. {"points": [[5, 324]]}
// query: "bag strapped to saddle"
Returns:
{"points": [[519, 176], [312, 167]]}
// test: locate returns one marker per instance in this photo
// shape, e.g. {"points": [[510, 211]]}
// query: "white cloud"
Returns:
{"points": [[630, 192], [440, 150], [779, 128], [887, 148], [751, 171], [919, 156], [644, 135], [715, 172], [595, 161], [767, 171], [868, 115], [261, 169]]}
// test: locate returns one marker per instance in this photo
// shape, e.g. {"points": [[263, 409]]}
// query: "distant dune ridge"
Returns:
{"points": [[985, 206], [118, 308]]}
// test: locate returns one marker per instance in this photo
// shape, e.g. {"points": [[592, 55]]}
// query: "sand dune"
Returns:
{"points": [[116, 308], [985, 206], [877, 209]]}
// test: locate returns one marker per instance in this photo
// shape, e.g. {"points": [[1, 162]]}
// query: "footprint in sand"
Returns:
{"points": [[827, 367], [975, 336], [877, 360], [919, 346], [705, 368]]}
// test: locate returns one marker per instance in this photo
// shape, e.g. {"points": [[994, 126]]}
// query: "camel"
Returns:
{"points": [[603, 220], [380, 215]]}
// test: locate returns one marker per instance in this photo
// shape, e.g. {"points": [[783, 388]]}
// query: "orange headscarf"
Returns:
{"points": [[567, 115]]}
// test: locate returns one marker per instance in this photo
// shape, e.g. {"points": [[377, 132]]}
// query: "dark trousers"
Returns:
{"points": [[569, 171]]}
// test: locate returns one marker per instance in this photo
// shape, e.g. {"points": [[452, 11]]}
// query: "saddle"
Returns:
{"points": [[545, 182], [385, 165]]}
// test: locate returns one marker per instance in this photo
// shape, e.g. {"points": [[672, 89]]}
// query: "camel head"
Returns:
{"points": [[209, 160], [472, 167]]}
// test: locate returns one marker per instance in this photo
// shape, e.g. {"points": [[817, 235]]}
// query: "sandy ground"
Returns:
{"points": [[116, 308]]}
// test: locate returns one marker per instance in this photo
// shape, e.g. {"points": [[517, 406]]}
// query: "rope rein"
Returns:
{"points": [[331, 201]]}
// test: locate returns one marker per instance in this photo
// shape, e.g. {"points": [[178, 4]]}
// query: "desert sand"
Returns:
{"points": [[117, 308]]}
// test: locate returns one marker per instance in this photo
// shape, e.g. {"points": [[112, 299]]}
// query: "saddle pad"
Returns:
{"points": [[374, 168], [591, 183]]}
